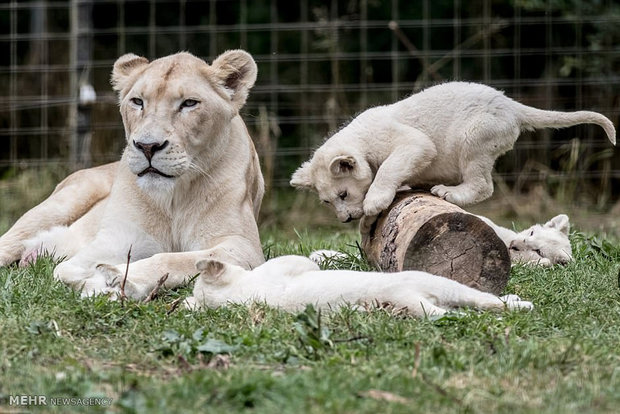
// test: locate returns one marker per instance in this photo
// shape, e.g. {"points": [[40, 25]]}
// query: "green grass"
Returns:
{"points": [[562, 357]]}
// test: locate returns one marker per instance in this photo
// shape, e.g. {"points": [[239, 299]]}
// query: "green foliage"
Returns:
{"points": [[561, 357], [314, 337]]}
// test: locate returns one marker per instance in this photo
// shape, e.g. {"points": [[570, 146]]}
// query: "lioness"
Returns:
{"points": [[188, 185], [447, 134], [291, 282]]}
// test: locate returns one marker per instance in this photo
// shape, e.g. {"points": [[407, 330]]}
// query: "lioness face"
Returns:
{"points": [[176, 111], [341, 182], [549, 241]]}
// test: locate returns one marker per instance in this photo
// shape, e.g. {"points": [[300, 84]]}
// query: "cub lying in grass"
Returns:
{"points": [[291, 282], [542, 244], [447, 136]]}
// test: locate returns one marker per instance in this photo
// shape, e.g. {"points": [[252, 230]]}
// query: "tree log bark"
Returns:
{"points": [[422, 232]]}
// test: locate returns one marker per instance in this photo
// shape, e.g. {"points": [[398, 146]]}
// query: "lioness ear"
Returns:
{"points": [[124, 68], [302, 178], [236, 71], [342, 165], [559, 222]]}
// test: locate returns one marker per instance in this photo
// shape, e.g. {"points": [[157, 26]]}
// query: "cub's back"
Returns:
{"points": [[443, 110]]}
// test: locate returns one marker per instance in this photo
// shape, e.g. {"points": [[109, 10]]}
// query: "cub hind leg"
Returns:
{"points": [[486, 138], [452, 294]]}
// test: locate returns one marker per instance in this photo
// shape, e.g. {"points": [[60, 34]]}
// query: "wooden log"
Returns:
{"points": [[422, 232]]}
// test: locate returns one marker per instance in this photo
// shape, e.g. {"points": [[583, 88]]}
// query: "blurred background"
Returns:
{"points": [[320, 63]]}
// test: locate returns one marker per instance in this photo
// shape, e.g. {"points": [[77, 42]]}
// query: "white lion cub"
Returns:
{"points": [[447, 136], [542, 244], [291, 282]]}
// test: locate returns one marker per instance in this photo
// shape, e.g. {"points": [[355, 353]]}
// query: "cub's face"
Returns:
{"points": [[547, 244], [176, 111], [341, 182]]}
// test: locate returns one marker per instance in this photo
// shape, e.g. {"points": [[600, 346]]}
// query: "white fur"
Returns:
{"points": [[543, 244], [291, 282], [447, 136], [321, 257]]}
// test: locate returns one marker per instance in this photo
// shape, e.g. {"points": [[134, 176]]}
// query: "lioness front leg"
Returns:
{"points": [[404, 162], [143, 275], [71, 199]]}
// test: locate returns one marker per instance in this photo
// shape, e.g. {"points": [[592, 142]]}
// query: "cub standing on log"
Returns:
{"points": [[448, 136]]}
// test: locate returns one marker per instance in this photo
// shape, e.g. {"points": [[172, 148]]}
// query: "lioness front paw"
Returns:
{"points": [[376, 202]]}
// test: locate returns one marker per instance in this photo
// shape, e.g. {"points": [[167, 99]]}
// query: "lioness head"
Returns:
{"points": [[548, 242], [177, 110], [341, 180]]}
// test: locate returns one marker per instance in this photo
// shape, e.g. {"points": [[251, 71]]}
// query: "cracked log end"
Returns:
{"points": [[422, 232]]}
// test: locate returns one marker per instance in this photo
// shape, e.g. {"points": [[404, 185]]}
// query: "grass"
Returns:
{"points": [[562, 357]]}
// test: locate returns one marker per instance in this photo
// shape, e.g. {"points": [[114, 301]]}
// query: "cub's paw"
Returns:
{"points": [[366, 224], [543, 261], [443, 191], [514, 302], [459, 195], [376, 202]]}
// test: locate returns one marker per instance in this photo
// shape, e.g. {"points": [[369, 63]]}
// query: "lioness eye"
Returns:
{"points": [[537, 251], [343, 195], [325, 201], [137, 101], [188, 103]]}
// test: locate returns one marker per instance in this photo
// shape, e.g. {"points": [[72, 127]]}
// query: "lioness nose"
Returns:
{"points": [[151, 148]]}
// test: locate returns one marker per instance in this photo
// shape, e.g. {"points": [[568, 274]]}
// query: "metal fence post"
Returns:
{"points": [[81, 89]]}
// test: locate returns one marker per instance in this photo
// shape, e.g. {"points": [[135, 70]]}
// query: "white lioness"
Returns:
{"points": [[188, 186], [291, 282], [543, 244], [447, 136]]}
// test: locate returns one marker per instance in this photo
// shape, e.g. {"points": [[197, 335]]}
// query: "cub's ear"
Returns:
{"points": [[125, 68], [211, 269], [559, 222], [302, 178], [236, 71], [342, 165]]}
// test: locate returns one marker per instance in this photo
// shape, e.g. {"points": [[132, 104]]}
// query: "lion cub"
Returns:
{"points": [[291, 282], [541, 244], [447, 136]]}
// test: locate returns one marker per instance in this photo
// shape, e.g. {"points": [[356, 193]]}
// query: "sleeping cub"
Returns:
{"points": [[542, 244], [447, 136], [291, 282]]}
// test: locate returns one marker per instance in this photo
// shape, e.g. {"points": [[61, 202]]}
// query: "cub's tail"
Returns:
{"points": [[533, 118]]}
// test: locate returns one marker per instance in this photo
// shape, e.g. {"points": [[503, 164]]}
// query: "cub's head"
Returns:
{"points": [[341, 180], [547, 244], [177, 111], [218, 274]]}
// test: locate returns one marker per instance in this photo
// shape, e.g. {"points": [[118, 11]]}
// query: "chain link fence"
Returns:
{"points": [[320, 63]]}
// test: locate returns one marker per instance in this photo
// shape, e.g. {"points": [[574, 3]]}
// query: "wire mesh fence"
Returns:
{"points": [[320, 63]]}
